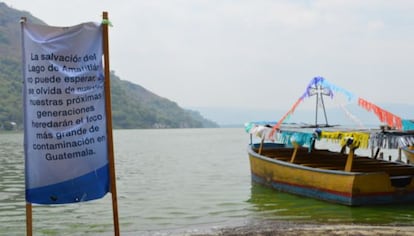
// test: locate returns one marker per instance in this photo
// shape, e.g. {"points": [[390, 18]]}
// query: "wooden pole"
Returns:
{"points": [[29, 221], [295, 151], [349, 160], [111, 160], [29, 224], [261, 145]]}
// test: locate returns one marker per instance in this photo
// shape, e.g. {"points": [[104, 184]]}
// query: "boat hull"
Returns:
{"points": [[347, 188]]}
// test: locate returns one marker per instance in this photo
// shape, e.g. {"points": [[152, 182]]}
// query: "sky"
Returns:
{"points": [[251, 55]]}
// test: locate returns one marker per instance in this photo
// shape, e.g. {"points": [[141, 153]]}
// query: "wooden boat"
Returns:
{"points": [[288, 160], [331, 176]]}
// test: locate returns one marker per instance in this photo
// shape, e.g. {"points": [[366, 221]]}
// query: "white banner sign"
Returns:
{"points": [[65, 123]]}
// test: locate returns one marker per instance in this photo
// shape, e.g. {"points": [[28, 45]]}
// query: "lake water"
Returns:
{"points": [[174, 182]]}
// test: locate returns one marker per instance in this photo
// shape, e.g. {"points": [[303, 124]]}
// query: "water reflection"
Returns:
{"points": [[11, 183], [271, 204]]}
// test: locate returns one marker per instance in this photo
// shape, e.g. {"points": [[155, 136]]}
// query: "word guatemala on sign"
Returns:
{"points": [[66, 145]]}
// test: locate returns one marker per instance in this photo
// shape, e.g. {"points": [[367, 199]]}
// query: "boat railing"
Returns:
{"points": [[325, 159]]}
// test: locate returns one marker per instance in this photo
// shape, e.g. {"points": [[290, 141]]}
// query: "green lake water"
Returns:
{"points": [[174, 182]]}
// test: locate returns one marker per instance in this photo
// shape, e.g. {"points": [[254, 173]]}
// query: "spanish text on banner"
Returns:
{"points": [[65, 124]]}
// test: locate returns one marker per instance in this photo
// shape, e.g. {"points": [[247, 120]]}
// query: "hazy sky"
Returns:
{"points": [[251, 54]]}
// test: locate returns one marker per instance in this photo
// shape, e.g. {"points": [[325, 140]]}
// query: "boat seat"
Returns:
{"points": [[401, 177], [401, 181]]}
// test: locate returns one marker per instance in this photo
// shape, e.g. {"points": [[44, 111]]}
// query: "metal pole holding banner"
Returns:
{"points": [[111, 160]]}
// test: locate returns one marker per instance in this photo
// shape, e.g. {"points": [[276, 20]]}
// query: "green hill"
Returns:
{"points": [[132, 105]]}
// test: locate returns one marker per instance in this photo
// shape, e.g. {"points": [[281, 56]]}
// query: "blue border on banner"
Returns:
{"points": [[88, 187]]}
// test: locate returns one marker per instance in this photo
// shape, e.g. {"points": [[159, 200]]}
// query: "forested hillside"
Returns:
{"points": [[132, 105]]}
